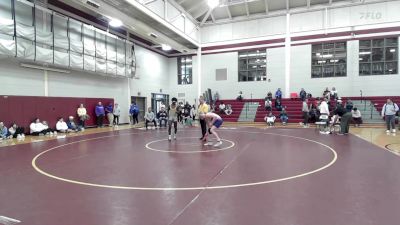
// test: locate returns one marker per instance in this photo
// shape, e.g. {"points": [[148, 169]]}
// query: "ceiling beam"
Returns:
{"points": [[206, 17], [212, 17], [308, 4], [266, 6], [200, 12], [181, 1], [229, 12], [330, 2], [247, 8], [148, 2]]}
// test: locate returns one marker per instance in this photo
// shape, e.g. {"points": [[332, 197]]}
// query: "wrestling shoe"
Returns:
{"points": [[169, 137], [219, 143], [208, 144]]}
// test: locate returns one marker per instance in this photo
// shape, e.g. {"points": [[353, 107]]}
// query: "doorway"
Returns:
{"points": [[157, 100], [141, 103]]}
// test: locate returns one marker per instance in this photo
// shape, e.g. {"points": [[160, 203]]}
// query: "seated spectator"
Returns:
{"points": [[240, 96], [309, 95], [356, 114], [302, 94], [268, 105], [327, 93], [3, 131], [162, 115], [150, 117], [222, 107], [278, 104], [269, 96], [72, 125], [83, 116], [270, 119], [16, 132], [349, 105], [228, 110], [109, 109], [284, 117], [193, 112], [278, 94], [187, 117], [62, 127], [334, 94], [40, 128]]}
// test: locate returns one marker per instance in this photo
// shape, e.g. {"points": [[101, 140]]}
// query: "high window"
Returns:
{"points": [[185, 70], [253, 65], [329, 60]]}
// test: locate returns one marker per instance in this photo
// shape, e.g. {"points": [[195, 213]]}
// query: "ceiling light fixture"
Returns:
{"points": [[166, 47], [213, 3], [115, 22]]}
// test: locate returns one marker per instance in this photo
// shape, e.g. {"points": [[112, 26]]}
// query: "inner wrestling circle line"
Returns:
{"points": [[232, 144], [34, 165]]}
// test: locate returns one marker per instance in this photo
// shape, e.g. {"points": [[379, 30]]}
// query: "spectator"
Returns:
{"points": [[309, 95], [306, 111], [216, 97], [324, 114], [203, 108], [109, 112], [179, 111], [356, 114], [72, 125], [269, 96], [150, 117], [116, 113], [186, 115], [268, 105], [228, 110], [270, 119], [37, 128], [222, 107], [83, 116], [193, 112], [327, 93], [349, 105], [162, 115], [3, 131], [389, 111], [62, 127], [278, 104], [16, 132], [99, 111], [345, 118], [134, 113], [303, 94], [334, 94], [239, 96], [314, 113], [278, 94], [284, 117]]}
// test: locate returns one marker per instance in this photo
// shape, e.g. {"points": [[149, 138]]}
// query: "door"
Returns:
{"points": [[157, 100], [141, 103]]}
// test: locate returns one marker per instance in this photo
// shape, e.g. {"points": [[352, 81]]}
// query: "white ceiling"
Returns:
{"points": [[248, 9]]}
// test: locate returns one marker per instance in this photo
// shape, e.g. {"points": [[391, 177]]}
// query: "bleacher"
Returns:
{"points": [[237, 107]]}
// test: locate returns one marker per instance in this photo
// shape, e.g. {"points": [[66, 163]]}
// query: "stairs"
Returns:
{"points": [[365, 108], [249, 112], [293, 109], [237, 107]]}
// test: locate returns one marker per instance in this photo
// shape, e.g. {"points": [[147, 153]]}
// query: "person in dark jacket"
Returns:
{"points": [[345, 118], [278, 104], [162, 115], [302, 94], [99, 111]]}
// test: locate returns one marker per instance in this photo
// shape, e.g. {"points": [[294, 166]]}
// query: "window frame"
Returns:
{"points": [[257, 60], [187, 73], [330, 59]]}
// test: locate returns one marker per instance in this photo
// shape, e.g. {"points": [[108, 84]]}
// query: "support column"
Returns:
{"points": [[199, 76], [46, 83], [287, 57]]}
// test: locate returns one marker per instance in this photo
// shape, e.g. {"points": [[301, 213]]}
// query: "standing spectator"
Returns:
{"points": [[327, 93], [116, 113], [134, 113], [278, 94], [193, 112], [203, 108], [278, 104], [334, 94], [284, 117], [270, 119], [99, 111], [222, 107], [162, 115], [356, 114], [349, 105], [306, 111], [268, 105], [303, 94], [239, 96], [62, 127], [216, 97], [109, 112], [389, 111], [3, 131], [16, 132], [269, 96], [83, 116], [150, 117], [324, 114], [345, 118], [72, 125]]}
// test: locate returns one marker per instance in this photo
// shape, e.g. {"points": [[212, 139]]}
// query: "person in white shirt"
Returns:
{"points": [[334, 93], [270, 119], [82, 114], [117, 113], [61, 126], [150, 117], [222, 107], [324, 114], [37, 128], [356, 114]]}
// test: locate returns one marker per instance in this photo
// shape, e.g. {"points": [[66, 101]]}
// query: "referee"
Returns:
{"points": [[203, 108]]}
